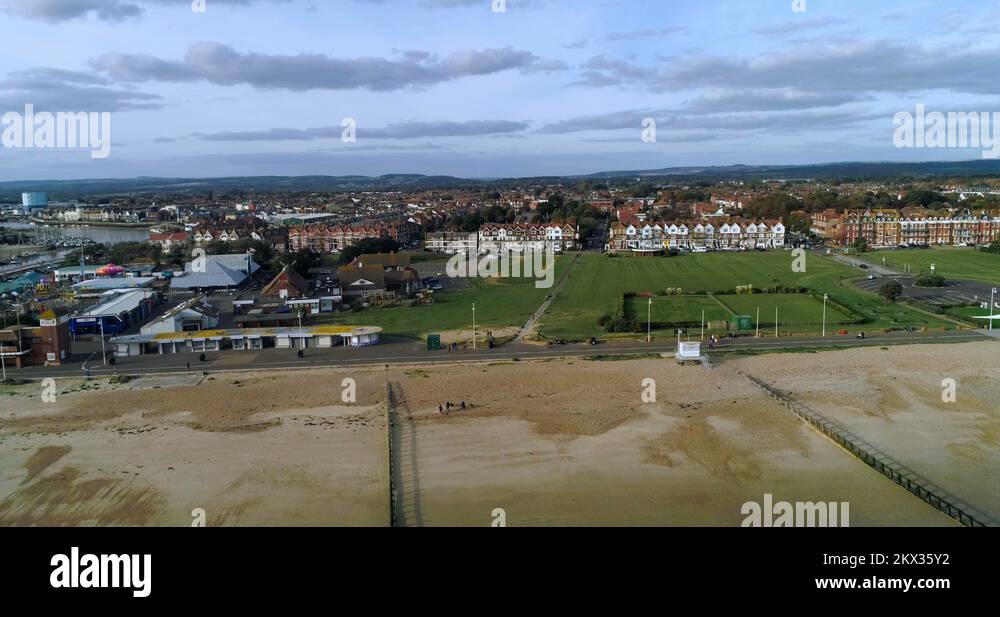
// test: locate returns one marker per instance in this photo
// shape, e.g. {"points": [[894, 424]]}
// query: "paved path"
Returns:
{"points": [[409, 352], [527, 329]]}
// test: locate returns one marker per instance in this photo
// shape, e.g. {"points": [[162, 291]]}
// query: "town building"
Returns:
{"points": [[892, 228], [287, 284], [378, 276], [726, 235], [452, 242], [826, 224], [47, 344], [517, 237], [335, 238], [170, 239], [193, 315]]}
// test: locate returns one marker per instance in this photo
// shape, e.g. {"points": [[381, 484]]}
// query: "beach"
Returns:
{"points": [[550, 442]]}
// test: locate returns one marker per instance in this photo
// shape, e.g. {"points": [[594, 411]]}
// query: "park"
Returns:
{"points": [[657, 296]]}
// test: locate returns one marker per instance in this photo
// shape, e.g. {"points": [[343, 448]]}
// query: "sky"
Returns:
{"points": [[544, 87]]}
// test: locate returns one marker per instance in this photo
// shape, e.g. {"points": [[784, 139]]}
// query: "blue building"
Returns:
{"points": [[34, 201], [118, 311]]}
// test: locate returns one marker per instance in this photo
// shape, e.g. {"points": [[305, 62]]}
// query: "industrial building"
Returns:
{"points": [[118, 311], [95, 288], [216, 272]]}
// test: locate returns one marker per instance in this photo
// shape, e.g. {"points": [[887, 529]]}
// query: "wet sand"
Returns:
{"points": [[144, 455], [893, 398], [561, 442]]}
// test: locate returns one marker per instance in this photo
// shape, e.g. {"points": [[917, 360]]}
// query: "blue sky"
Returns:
{"points": [[253, 87]]}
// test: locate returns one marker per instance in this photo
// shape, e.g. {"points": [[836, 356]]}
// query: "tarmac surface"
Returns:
{"points": [[396, 351]]}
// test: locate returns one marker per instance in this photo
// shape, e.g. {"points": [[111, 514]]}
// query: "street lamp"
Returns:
{"points": [[104, 355], [825, 296], [473, 326], [992, 307], [649, 321]]}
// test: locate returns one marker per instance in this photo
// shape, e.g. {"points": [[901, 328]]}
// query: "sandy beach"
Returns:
{"points": [[558, 442]]}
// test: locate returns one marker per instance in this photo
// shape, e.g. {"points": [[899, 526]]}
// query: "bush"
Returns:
{"points": [[929, 280], [890, 290]]}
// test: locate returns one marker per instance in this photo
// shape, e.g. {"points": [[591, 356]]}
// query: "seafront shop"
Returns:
{"points": [[246, 339]]}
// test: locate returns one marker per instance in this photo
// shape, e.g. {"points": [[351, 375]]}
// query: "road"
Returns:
{"points": [[397, 351], [955, 291]]}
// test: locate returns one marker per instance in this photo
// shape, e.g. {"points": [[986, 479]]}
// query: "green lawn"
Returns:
{"points": [[950, 262], [677, 311], [499, 303], [796, 312], [599, 282]]}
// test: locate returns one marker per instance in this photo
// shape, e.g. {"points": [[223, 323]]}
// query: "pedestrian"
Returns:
{"points": [[447, 405], [189, 367], [463, 404], [440, 409]]}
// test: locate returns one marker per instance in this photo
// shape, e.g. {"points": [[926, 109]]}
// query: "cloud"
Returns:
{"points": [[55, 11], [50, 89], [798, 25], [888, 66], [721, 123], [647, 33], [222, 65], [402, 130]]}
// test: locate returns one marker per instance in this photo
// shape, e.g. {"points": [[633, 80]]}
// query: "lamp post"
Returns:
{"points": [[473, 326], [825, 296], [992, 306], [703, 324], [649, 321], [104, 355], [758, 323]]}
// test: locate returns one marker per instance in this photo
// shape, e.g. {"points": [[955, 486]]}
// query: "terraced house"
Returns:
{"points": [[652, 238], [335, 238], [891, 228], [497, 237]]}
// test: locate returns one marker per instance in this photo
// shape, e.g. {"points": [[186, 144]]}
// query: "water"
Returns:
{"points": [[104, 235], [42, 233]]}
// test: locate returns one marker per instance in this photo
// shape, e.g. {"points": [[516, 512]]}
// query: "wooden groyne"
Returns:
{"points": [[877, 460], [389, 418]]}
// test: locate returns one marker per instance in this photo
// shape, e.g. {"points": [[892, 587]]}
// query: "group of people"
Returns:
{"points": [[444, 409]]}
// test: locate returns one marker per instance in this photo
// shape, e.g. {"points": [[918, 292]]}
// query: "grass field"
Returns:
{"points": [[599, 282], [950, 262], [678, 311], [499, 303], [795, 311]]}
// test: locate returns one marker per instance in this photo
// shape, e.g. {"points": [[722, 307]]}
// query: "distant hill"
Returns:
{"points": [[70, 189]]}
